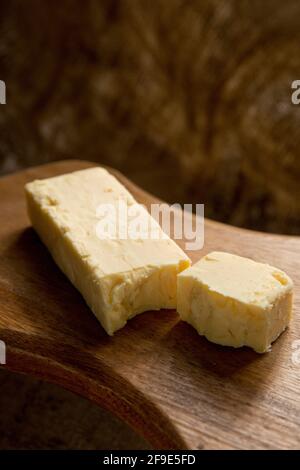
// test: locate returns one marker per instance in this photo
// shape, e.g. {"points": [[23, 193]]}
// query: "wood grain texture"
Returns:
{"points": [[174, 387]]}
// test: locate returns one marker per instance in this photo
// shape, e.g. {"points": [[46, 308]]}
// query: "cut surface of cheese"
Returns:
{"points": [[118, 276], [235, 301]]}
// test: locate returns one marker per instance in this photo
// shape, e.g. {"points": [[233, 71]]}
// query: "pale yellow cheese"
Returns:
{"points": [[235, 301], [118, 278]]}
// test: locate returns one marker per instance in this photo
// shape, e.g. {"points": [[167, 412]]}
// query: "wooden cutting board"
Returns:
{"points": [[173, 386]]}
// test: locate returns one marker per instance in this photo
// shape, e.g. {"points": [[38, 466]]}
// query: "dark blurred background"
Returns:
{"points": [[189, 99]]}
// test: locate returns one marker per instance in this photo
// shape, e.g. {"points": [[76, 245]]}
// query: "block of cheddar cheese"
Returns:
{"points": [[118, 276], [235, 301]]}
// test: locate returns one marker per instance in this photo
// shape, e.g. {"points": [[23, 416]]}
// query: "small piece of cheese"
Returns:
{"points": [[235, 301], [118, 277]]}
